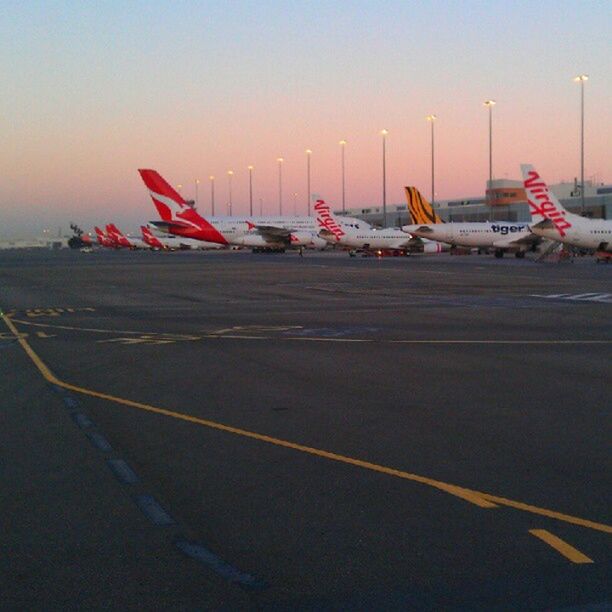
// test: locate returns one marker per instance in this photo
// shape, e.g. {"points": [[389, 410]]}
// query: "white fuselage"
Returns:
{"points": [[273, 231], [582, 232], [500, 234], [362, 238], [304, 230]]}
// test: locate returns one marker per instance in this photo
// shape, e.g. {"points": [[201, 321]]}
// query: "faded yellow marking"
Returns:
{"points": [[54, 312], [140, 340], [11, 336], [484, 500], [43, 369], [105, 331], [43, 312], [568, 551], [45, 335]]}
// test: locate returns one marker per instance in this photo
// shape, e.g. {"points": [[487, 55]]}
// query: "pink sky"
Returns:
{"points": [[97, 92]]}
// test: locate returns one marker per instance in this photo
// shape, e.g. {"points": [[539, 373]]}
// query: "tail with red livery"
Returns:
{"points": [[103, 240], [177, 217], [546, 210], [167, 200], [327, 222], [150, 239], [117, 236]]}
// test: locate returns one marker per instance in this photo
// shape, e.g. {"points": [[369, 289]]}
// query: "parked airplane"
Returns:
{"points": [[103, 239], [153, 241], [122, 241], [391, 241], [500, 235], [260, 233], [174, 243], [551, 220]]}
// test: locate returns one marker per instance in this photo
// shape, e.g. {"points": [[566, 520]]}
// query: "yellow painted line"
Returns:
{"points": [[568, 551], [106, 331], [484, 500], [44, 370]]}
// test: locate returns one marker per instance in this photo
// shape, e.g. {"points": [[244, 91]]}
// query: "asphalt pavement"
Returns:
{"points": [[237, 431]]}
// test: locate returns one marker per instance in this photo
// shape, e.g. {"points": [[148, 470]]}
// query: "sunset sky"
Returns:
{"points": [[92, 91]]}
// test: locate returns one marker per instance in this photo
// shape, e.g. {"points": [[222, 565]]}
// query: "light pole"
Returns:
{"points": [[490, 104], [212, 195], [295, 195], [581, 79], [230, 174], [308, 194], [342, 144], [197, 182], [260, 207], [280, 161], [384, 133], [432, 120], [251, 190]]}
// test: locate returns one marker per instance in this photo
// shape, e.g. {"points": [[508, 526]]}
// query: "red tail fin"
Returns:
{"points": [[166, 199], [102, 239]]}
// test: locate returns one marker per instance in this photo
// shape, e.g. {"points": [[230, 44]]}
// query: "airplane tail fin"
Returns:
{"points": [[115, 230], [166, 199], [113, 236], [543, 204], [102, 239], [421, 211], [327, 222]]}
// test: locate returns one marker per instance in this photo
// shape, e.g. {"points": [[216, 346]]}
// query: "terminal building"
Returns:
{"points": [[505, 200]]}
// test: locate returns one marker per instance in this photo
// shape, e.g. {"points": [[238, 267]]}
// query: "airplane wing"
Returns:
{"points": [[273, 233], [545, 224], [167, 225]]}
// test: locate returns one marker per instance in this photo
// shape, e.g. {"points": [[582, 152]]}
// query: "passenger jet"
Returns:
{"points": [[269, 233], [379, 242], [551, 220], [501, 235]]}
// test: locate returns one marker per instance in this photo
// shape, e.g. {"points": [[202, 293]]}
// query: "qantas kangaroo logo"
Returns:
{"points": [[544, 207], [326, 220]]}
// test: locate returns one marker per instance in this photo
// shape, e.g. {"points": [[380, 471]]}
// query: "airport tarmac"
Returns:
{"points": [[230, 430]]}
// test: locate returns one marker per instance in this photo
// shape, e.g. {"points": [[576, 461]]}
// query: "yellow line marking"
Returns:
{"points": [[484, 500], [45, 335], [43, 369], [10, 336], [571, 553], [106, 331]]}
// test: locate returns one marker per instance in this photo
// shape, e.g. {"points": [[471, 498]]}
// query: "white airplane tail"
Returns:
{"points": [[327, 222], [545, 208]]}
